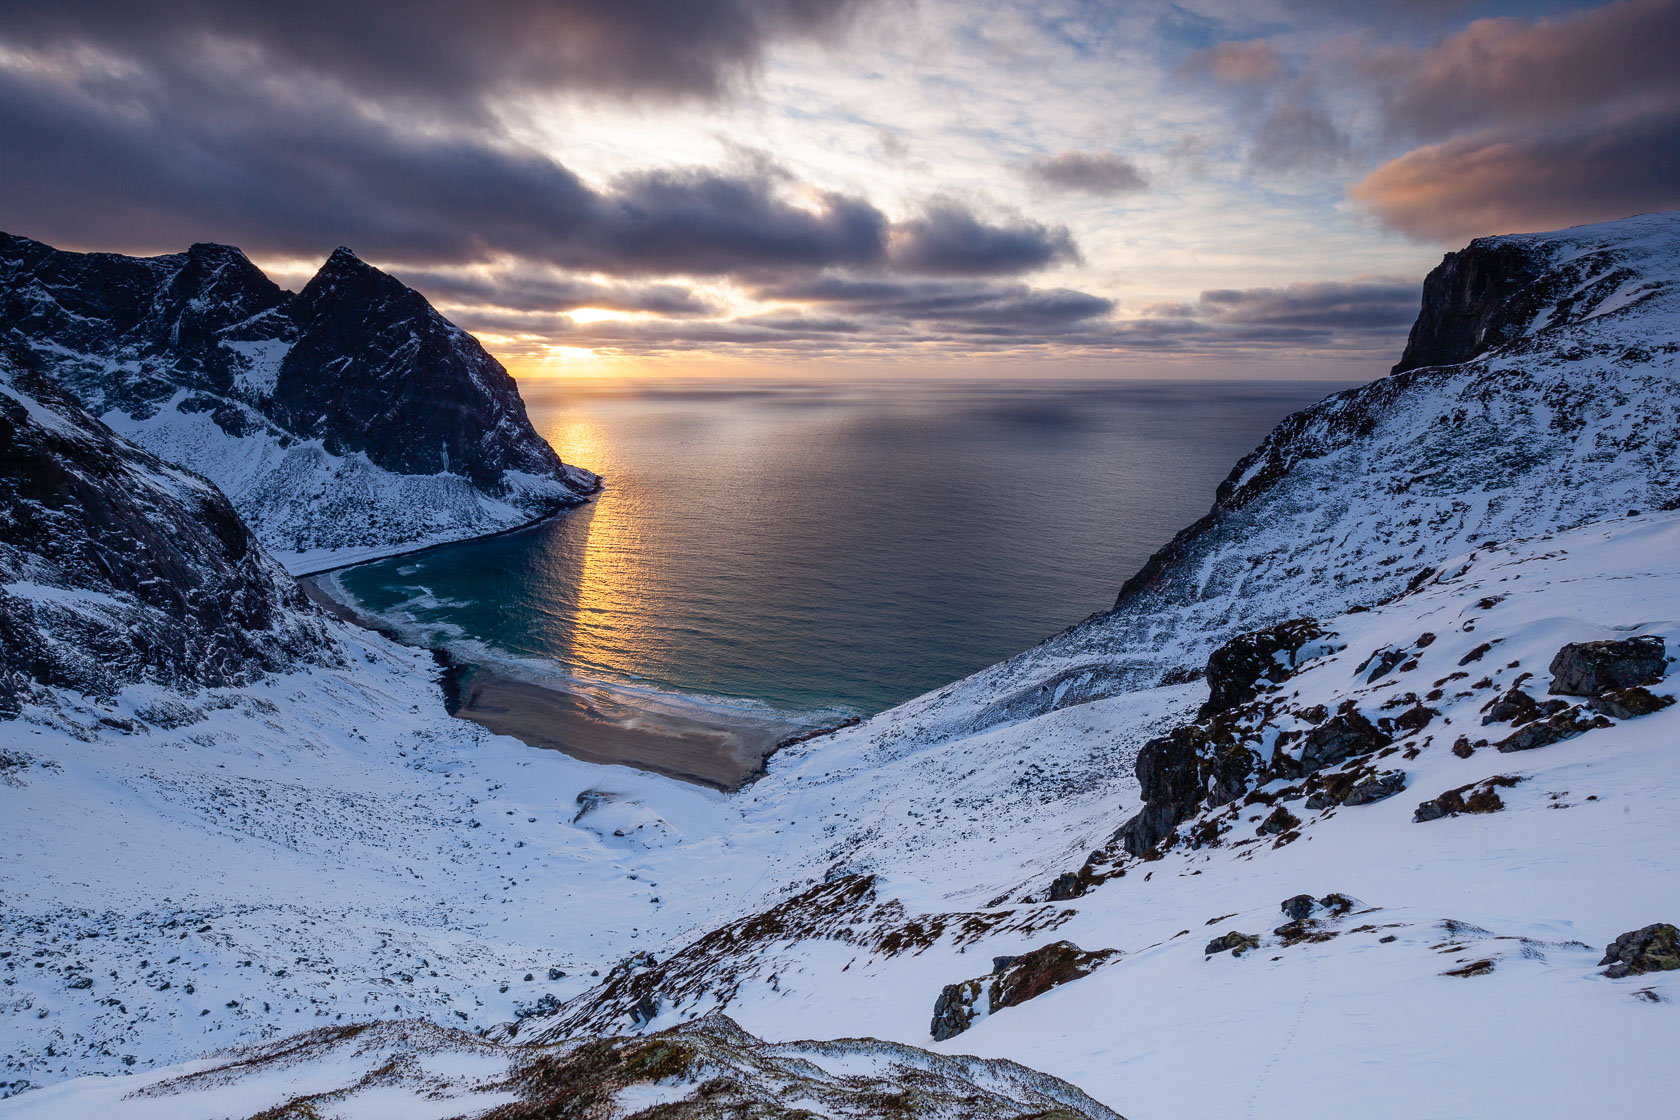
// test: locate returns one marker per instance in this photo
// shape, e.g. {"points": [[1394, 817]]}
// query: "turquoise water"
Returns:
{"points": [[829, 548]]}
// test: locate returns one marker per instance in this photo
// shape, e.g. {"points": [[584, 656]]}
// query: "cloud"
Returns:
{"points": [[1298, 136], [1253, 62], [1587, 170], [947, 239], [450, 53], [1101, 173], [1370, 316], [1510, 71], [524, 288], [954, 303], [131, 165]]}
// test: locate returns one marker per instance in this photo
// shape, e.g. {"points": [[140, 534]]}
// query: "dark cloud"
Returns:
{"points": [[1507, 71], [447, 53], [1102, 173], [1588, 170], [1370, 316], [965, 302], [527, 289], [131, 165], [949, 240]]}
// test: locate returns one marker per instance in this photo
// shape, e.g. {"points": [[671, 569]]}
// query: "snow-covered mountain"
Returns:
{"points": [[117, 568], [345, 421], [1409, 852]]}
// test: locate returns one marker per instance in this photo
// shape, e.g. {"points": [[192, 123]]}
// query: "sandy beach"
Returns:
{"points": [[598, 725]]}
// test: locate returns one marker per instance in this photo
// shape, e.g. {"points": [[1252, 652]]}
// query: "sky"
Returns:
{"points": [[818, 187]]}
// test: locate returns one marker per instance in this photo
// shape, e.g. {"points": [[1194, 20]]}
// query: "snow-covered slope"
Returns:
{"points": [[1565, 410], [325, 847], [346, 421]]}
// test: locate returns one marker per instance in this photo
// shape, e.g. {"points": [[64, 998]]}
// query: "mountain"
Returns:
{"points": [[1361, 800], [1561, 409], [117, 568], [347, 420]]}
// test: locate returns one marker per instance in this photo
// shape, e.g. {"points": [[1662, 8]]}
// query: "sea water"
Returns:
{"points": [[828, 549]]}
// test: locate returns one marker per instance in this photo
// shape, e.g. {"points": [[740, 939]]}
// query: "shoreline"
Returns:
{"points": [[417, 550], [592, 724]]}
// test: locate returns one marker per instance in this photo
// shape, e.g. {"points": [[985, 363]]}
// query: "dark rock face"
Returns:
{"points": [[1629, 703], [137, 570], [1067, 885], [1342, 736], [1589, 668], [356, 359], [1236, 667], [1656, 948], [1474, 300], [1013, 980]]}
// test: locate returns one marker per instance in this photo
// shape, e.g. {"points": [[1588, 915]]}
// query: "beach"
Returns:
{"points": [[598, 723]]}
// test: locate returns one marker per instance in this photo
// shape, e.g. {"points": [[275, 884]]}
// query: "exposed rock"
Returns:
{"points": [[1235, 668], [1376, 787], [1343, 736], [1298, 907], [1542, 733], [1629, 703], [1180, 772], [1279, 821], [1474, 300], [1589, 668], [1233, 942], [1474, 797], [1013, 980], [1656, 948], [1511, 706], [1067, 885]]}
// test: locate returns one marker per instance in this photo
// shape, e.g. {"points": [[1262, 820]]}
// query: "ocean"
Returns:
{"points": [[818, 550]]}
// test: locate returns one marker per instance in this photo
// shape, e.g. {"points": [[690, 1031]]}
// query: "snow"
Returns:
{"points": [[328, 847]]}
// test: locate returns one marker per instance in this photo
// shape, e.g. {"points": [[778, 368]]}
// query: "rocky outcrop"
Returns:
{"points": [[1233, 942], [1013, 980], [116, 567], [1656, 948], [1589, 668], [1554, 729], [1474, 797], [1236, 668], [353, 396], [1343, 736]]}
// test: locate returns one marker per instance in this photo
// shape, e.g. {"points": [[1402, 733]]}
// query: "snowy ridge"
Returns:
{"points": [[347, 421]]}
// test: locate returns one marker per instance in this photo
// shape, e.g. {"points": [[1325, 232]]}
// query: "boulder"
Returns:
{"points": [[1376, 787], [1590, 668], [1656, 948], [1298, 907], [1629, 703], [1232, 942], [1067, 885], [1342, 736], [1279, 821]]}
